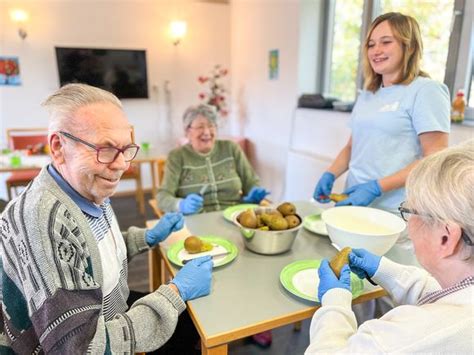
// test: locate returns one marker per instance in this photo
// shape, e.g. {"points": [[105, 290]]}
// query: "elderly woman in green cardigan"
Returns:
{"points": [[207, 174]]}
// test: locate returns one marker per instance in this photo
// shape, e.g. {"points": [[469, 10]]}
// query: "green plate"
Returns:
{"points": [[176, 252], [315, 224], [230, 211], [301, 279]]}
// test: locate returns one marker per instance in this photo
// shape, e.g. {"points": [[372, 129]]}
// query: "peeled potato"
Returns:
{"points": [[338, 197], [193, 244], [340, 260]]}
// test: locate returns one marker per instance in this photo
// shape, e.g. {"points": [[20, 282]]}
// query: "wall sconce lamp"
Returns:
{"points": [[178, 31], [20, 17]]}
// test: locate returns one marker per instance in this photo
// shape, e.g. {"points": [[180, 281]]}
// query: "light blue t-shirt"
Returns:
{"points": [[385, 127]]}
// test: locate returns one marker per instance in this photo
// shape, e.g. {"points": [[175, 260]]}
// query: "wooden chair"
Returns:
{"points": [[153, 202], [154, 206], [134, 173], [20, 139], [156, 271]]}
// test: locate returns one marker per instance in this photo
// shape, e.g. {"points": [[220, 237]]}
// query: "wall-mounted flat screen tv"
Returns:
{"points": [[120, 71]]}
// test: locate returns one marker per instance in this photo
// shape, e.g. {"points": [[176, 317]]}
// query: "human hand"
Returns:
{"points": [[328, 280], [170, 222], [191, 204], [194, 279], [362, 194], [324, 187], [363, 263], [255, 195]]}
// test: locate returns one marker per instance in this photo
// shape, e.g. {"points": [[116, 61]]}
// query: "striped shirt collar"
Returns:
{"points": [[84, 204], [436, 295]]}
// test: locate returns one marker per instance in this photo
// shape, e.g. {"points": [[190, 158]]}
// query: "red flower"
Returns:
{"points": [[214, 95]]}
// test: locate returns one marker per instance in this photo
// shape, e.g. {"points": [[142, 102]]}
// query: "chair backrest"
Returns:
{"points": [[161, 170], [154, 206], [23, 138]]}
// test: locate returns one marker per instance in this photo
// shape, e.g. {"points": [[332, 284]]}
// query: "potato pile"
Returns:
{"points": [[281, 218]]}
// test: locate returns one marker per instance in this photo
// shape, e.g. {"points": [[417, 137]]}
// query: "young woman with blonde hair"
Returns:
{"points": [[400, 117]]}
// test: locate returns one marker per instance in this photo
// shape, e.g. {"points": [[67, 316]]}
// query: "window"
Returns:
{"points": [[470, 89], [434, 18], [444, 37], [345, 48]]}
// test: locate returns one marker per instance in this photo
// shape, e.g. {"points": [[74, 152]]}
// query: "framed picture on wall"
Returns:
{"points": [[273, 64], [9, 71]]}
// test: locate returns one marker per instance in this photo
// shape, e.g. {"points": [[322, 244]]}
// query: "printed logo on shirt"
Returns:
{"points": [[390, 107]]}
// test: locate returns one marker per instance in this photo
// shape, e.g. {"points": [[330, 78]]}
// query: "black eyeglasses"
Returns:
{"points": [[406, 212], [107, 155]]}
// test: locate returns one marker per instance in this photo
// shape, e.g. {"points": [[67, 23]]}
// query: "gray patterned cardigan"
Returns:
{"points": [[51, 283]]}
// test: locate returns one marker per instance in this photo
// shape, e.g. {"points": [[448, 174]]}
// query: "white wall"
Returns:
{"points": [[130, 24], [262, 108]]}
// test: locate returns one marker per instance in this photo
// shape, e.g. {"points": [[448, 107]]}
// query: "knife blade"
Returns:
{"points": [[203, 189], [366, 275], [184, 261]]}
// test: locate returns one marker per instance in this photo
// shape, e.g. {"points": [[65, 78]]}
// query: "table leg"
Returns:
{"points": [[154, 269], [154, 188], [217, 350], [165, 275]]}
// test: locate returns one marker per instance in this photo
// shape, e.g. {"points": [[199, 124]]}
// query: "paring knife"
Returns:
{"points": [[366, 276], [203, 189], [224, 253]]}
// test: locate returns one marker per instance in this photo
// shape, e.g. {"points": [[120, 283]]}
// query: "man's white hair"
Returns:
{"points": [[68, 99]]}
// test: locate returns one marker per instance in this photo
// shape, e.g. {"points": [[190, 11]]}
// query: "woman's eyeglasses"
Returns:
{"points": [[107, 155], [407, 212], [202, 128]]}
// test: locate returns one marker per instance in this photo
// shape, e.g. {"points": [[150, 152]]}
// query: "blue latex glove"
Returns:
{"points": [[328, 280], [191, 204], [194, 279], [363, 263], [362, 194], [255, 195], [170, 222], [324, 187]]}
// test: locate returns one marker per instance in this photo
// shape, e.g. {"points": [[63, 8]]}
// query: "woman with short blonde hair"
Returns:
{"points": [[434, 313]]}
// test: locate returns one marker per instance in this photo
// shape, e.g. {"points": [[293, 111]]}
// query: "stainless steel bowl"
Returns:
{"points": [[268, 242]]}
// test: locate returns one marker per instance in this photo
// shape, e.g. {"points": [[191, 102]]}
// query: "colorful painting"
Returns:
{"points": [[9, 71], [273, 64]]}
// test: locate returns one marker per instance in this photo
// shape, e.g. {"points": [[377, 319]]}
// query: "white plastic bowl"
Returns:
{"points": [[363, 227]]}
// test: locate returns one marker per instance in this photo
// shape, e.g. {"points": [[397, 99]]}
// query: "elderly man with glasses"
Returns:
{"points": [[63, 256], [436, 302]]}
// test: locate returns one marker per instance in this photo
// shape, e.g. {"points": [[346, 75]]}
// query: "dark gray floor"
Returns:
{"points": [[286, 341]]}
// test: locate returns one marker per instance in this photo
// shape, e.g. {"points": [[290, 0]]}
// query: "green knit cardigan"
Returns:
{"points": [[225, 171]]}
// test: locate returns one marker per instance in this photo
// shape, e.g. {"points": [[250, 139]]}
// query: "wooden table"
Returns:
{"points": [[28, 162], [247, 297]]}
